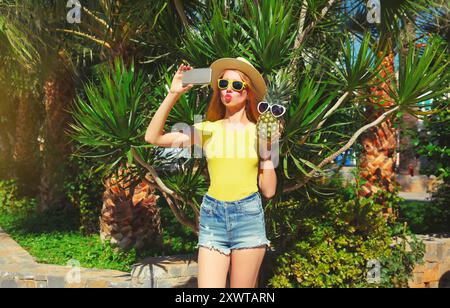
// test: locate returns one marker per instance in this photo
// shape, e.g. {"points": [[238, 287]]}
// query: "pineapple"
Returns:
{"points": [[266, 126], [278, 92]]}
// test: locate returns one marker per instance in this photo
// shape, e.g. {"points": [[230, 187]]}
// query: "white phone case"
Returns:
{"points": [[197, 76]]}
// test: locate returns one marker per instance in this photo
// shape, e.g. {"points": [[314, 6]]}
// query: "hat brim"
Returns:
{"points": [[220, 65]]}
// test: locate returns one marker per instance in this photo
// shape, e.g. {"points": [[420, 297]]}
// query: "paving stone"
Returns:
{"points": [[96, 284], [26, 276], [41, 284], [8, 283], [120, 285], [55, 282], [26, 284]]}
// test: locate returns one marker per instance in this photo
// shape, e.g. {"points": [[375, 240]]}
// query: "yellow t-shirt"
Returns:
{"points": [[232, 159]]}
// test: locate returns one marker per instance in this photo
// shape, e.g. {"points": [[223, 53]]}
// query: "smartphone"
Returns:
{"points": [[197, 76]]}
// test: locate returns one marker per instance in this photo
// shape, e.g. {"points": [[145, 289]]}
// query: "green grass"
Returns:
{"points": [[54, 238]]}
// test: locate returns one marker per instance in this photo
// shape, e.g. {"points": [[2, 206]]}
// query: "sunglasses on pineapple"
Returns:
{"points": [[236, 85], [276, 109]]}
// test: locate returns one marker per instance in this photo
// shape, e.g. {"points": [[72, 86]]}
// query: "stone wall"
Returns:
{"points": [[166, 272], [436, 268]]}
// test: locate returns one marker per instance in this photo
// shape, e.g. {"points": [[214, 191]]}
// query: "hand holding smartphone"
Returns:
{"points": [[197, 76]]}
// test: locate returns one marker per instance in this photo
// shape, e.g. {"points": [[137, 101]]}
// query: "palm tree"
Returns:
{"points": [[130, 215], [20, 112], [378, 158], [41, 50], [7, 119]]}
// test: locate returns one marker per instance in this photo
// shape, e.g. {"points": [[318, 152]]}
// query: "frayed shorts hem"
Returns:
{"points": [[221, 251], [228, 251]]}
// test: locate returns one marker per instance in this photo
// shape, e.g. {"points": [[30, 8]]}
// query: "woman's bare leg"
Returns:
{"points": [[245, 265], [212, 268]]}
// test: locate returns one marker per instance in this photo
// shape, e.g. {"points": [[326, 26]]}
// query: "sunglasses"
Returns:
{"points": [[276, 109], [235, 84]]}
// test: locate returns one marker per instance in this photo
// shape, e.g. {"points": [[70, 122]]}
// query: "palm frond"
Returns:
{"points": [[423, 77], [110, 120]]}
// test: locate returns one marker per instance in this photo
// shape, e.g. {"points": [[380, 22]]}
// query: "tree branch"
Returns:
{"points": [[329, 112], [180, 10], [315, 22], [301, 35], [301, 24], [352, 140], [153, 173], [167, 191], [99, 20], [92, 38], [179, 214]]}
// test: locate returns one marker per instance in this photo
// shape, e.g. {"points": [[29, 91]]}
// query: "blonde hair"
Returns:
{"points": [[216, 109]]}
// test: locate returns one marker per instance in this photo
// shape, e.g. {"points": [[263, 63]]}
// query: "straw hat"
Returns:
{"points": [[245, 67]]}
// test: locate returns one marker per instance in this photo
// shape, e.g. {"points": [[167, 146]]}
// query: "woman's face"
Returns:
{"points": [[229, 97]]}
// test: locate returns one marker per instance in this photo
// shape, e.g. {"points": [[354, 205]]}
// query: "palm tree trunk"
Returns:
{"points": [[378, 158], [26, 147], [59, 94], [6, 136], [6, 159], [130, 215]]}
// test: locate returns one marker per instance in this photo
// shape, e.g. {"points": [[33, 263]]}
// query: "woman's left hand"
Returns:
{"points": [[265, 145]]}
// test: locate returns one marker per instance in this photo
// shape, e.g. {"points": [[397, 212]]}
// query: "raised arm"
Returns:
{"points": [[154, 133]]}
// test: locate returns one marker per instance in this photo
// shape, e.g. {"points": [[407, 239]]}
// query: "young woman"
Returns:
{"points": [[232, 227]]}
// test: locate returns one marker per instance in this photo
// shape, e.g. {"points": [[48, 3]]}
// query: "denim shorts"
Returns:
{"points": [[228, 225]]}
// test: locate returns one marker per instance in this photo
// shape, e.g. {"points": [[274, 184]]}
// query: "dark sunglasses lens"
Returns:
{"points": [[277, 110], [223, 84], [237, 85], [262, 107]]}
